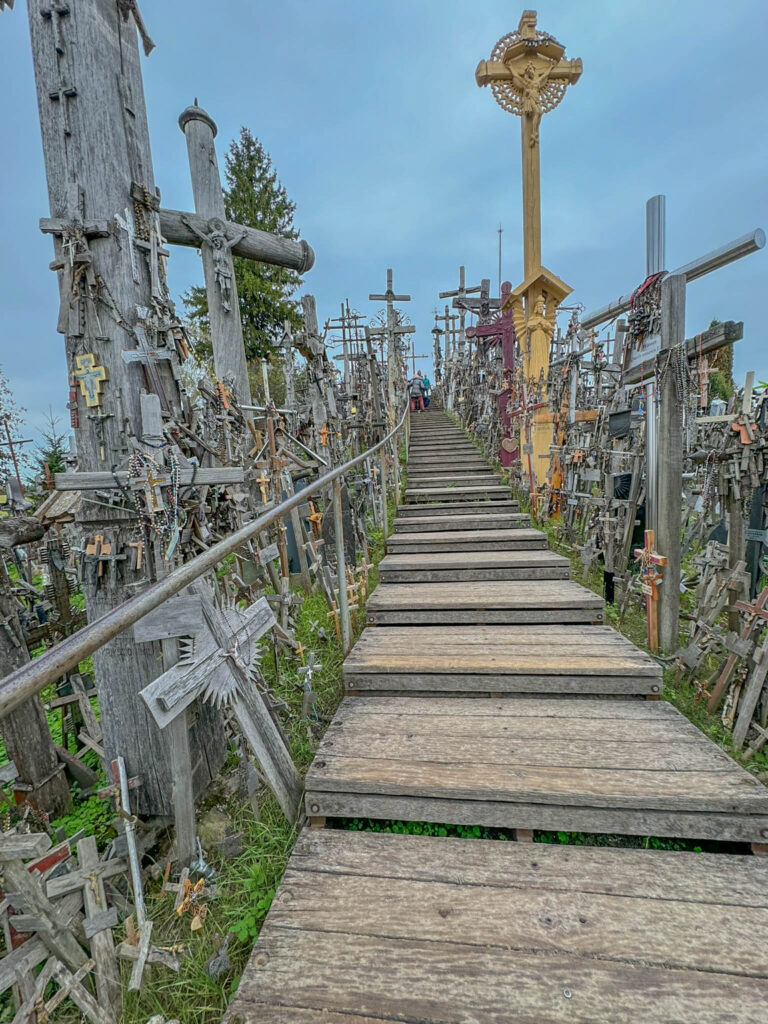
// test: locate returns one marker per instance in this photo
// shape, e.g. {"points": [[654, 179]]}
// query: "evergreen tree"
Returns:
{"points": [[53, 450], [253, 196]]}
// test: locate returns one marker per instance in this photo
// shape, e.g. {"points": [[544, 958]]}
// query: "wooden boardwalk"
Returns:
{"points": [[486, 690]]}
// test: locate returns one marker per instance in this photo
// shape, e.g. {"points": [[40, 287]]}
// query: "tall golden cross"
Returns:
{"points": [[528, 75]]}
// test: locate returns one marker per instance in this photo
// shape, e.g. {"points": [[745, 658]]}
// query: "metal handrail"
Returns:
{"points": [[30, 679]]}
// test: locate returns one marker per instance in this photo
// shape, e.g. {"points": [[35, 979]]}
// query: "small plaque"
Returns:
{"points": [[758, 535]]}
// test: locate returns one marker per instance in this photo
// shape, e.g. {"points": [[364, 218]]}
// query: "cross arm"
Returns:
{"points": [[464, 291], [743, 246], [254, 245], [389, 297], [727, 333]]}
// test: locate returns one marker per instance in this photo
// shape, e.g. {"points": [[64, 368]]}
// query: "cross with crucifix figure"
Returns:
{"points": [[90, 377], [529, 75], [459, 295]]}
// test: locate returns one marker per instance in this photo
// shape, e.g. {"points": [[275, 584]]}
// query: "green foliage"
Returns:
{"points": [[254, 197], [419, 828], [720, 386], [93, 815], [53, 449]]}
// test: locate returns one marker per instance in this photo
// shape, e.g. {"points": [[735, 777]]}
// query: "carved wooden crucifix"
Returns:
{"points": [[221, 672]]}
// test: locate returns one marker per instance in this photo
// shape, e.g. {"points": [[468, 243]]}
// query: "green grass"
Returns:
{"points": [[245, 886]]}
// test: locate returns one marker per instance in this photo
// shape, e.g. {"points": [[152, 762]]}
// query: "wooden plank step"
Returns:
{"points": [[513, 603], [467, 540], [422, 494], [366, 929], [448, 467], [450, 507], [452, 567], [546, 659], [457, 521], [466, 465], [442, 448], [618, 778], [419, 481]]}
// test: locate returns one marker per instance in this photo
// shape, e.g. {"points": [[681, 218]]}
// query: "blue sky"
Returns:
{"points": [[394, 157]]}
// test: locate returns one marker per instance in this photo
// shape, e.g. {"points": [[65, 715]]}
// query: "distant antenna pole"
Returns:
{"points": [[500, 231]]}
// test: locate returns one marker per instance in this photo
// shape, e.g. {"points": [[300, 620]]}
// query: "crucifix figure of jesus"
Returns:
{"points": [[528, 75]]}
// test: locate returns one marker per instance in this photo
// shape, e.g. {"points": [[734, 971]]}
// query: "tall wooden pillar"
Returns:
{"points": [[670, 468], [111, 274], [224, 313]]}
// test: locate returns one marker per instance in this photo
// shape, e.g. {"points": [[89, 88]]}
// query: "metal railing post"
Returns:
{"points": [[396, 447], [384, 507], [341, 567]]}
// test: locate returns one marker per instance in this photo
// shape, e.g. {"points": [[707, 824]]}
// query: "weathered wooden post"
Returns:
{"points": [[117, 318], [673, 358], [216, 243], [28, 742], [341, 567]]}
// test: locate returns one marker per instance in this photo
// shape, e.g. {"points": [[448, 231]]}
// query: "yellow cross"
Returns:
{"points": [[90, 377]]}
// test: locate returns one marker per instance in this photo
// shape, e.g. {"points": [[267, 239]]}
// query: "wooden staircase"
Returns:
{"points": [[487, 692]]}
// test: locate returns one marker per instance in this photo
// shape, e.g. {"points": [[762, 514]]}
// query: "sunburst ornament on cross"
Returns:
{"points": [[528, 75]]}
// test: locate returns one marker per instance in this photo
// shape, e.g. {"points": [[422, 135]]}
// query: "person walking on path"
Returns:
{"points": [[416, 391]]}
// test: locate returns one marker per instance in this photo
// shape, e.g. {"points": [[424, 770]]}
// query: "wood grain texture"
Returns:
{"points": [[460, 520], [491, 601], [463, 493], [436, 567], [458, 930], [439, 507], [467, 540]]}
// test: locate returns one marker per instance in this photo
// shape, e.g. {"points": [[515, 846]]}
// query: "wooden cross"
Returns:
{"points": [[225, 655], [757, 614], [53, 13], [651, 563], [62, 95], [335, 614], [323, 434], [393, 329], [90, 377], [459, 296], [148, 356], [528, 74], [501, 331], [262, 480], [413, 357]]}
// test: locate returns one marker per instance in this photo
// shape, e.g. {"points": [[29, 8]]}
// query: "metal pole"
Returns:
{"points": [[500, 231], [384, 509], [395, 445], [341, 568]]}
